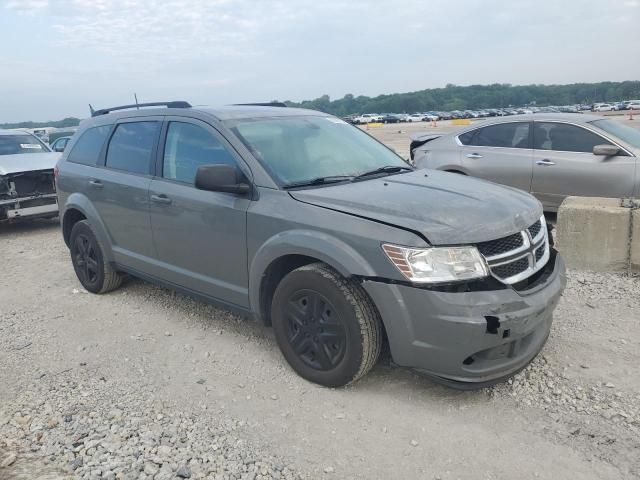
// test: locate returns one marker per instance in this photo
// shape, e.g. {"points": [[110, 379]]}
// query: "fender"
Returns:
{"points": [[80, 202], [326, 248]]}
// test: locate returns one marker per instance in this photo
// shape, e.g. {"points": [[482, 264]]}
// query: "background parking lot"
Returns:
{"points": [[147, 383]]}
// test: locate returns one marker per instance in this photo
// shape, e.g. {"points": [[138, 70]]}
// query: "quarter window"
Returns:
{"points": [[510, 135], [188, 147], [88, 147], [565, 138], [131, 146]]}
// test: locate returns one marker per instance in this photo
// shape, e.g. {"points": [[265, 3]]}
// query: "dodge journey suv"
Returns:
{"points": [[311, 226]]}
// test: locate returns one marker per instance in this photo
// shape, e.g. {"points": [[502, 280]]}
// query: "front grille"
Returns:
{"points": [[515, 258], [510, 269], [534, 229], [500, 246]]}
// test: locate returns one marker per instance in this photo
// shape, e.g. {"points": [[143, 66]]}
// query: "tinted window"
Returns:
{"points": [[189, 146], [88, 147], [511, 135], [131, 146], [623, 132], [565, 138]]}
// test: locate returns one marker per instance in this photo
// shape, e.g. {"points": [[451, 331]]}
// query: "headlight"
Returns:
{"points": [[437, 264]]}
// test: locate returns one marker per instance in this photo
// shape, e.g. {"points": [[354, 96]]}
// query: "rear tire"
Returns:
{"points": [[326, 326], [87, 255]]}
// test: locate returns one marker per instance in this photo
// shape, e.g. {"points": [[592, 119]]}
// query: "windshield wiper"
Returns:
{"points": [[319, 181], [383, 170]]}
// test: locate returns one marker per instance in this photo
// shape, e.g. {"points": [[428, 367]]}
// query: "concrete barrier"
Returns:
{"points": [[599, 234], [635, 240]]}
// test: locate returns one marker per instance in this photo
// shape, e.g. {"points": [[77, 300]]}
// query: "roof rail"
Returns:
{"points": [[261, 104], [175, 104]]}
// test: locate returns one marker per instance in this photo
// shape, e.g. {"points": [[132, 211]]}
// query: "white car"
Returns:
{"points": [[634, 104], [416, 117], [27, 186], [368, 118], [603, 107]]}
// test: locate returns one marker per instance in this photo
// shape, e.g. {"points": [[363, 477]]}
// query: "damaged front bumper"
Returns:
{"points": [[469, 339], [28, 195]]}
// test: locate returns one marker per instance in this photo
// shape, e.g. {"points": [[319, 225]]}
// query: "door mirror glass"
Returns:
{"points": [[606, 150], [221, 178]]}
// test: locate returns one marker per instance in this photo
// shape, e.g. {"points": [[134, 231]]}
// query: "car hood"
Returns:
{"points": [[26, 162], [445, 208]]}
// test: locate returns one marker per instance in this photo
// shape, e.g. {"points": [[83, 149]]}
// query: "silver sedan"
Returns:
{"points": [[551, 156]]}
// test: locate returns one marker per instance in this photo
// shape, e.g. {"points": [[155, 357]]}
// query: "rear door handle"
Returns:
{"points": [[474, 155], [546, 162], [96, 183], [162, 198]]}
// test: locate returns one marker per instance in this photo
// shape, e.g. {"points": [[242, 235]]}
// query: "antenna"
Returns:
{"points": [[136, 97]]}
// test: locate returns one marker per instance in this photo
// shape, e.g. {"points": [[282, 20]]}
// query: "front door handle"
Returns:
{"points": [[162, 198], [474, 155], [96, 183], [546, 162]]}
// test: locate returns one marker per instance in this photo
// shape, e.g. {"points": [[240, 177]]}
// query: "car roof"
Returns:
{"points": [[228, 112], [13, 132]]}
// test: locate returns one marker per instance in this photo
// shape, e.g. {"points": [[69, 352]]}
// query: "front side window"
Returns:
{"points": [[618, 129], [299, 149], [188, 147], [21, 143], [88, 147], [564, 137], [131, 146], [506, 135]]}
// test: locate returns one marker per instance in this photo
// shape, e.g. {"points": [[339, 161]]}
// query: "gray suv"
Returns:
{"points": [[310, 225]]}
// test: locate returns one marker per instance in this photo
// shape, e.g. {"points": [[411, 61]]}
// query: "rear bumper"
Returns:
{"points": [[468, 339]]}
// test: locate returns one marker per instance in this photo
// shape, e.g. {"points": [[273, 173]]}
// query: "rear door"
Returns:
{"points": [[565, 165], [200, 236], [500, 152], [120, 189]]}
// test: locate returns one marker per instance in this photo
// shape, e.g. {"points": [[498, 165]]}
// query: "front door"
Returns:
{"points": [[199, 236], [564, 165], [500, 153]]}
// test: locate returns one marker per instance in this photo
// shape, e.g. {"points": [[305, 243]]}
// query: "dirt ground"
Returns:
{"points": [[573, 414]]}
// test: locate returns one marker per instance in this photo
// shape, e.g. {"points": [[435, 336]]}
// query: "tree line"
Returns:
{"points": [[474, 97], [451, 97]]}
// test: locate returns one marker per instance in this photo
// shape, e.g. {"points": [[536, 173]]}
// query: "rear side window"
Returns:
{"points": [[131, 146], [188, 147], [88, 147], [565, 138], [509, 135]]}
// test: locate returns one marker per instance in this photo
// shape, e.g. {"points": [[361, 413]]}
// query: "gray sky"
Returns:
{"points": [[56, 56]]}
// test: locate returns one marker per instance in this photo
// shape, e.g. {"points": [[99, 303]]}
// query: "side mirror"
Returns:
{"points": [[221, 178], [606, 150], [58, 148]]}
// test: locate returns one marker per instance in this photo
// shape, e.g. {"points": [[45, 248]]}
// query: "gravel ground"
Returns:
{"points": [[145, 383]]}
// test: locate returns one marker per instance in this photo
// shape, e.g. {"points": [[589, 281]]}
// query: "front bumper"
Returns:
{"points": [[29, 207], [470, 338]]}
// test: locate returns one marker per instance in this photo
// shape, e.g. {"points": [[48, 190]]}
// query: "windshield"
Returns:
{"points": [[13, 144], [617, 129], [299, 149]]}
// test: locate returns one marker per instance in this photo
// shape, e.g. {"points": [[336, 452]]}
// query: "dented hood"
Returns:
{"points": [[445, 208], [27, 162]]}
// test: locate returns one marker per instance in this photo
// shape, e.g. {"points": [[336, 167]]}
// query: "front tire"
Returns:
{"points": [[87, 255], [326, 326]]}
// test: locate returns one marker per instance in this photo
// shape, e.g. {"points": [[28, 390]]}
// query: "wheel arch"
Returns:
{"points": [[78, 207], [285, 252]]}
